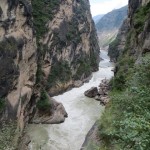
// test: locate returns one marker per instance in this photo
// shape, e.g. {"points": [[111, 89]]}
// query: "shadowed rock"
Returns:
{"points": [[56, 114], [91, 92]]}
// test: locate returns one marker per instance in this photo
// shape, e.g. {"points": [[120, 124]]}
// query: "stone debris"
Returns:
{"points": [[92, 92], [100, 94]]}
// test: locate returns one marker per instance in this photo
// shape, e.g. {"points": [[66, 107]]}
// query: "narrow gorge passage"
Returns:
{"points": [[82, 114]]}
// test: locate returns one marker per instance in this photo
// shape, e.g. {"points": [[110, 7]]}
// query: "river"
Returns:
{"points": [[82, 114]]}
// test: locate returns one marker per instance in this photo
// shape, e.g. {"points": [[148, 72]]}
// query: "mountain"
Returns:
{"points": [[97, 18], [46, 48], [108, 26]]}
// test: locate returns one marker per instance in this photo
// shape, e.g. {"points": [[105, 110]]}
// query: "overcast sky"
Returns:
{"points": [[105, 6]]}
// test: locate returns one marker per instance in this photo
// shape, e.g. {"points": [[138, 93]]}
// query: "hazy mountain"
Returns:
{"points": [[108, 26], [97, 18]]}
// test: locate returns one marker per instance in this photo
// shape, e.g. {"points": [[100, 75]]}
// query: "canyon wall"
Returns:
{"points": [[134, 33], [121, 126], [45, 46], [18, 59]]}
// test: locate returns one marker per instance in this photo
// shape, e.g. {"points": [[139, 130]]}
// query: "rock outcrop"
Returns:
{"points": [[69, 48], [92, 139], [18, 51], [55, 115], [117, 46], [100, 94], [92, 92], [133, 33]]}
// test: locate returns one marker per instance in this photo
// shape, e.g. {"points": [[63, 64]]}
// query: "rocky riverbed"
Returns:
{"points": [[100, 93]]}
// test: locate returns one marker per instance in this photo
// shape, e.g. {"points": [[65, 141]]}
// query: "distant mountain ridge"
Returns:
{"points": [[97, 18], [108, 26], [113, 19]]}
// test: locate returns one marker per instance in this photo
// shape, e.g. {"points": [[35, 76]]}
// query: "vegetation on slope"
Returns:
{"points": [[140, 17], [125, 123], [43, 104], [59, 72], [2, 104], [8, 136], [43, 11]]}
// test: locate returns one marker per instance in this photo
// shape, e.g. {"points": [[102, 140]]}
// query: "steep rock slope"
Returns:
{"points": [[17, 58], [97, 18], [125, 123], [108, 26], [69, 51], [46, 47]]}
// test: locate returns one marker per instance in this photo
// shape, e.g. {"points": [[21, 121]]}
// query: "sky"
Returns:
{"points": [[105, 6]]}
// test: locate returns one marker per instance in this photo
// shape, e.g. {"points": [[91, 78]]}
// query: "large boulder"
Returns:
{"points": [[92, 92], [57, 114]]}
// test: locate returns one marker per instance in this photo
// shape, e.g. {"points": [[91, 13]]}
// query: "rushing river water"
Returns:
{"points": [[82, 114]]}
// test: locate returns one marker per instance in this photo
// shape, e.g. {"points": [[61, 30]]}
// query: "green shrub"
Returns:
{"points": [[8, 135], [125, 123], [60, 72], [9, 47], [140, 17], [44, 103], [2, 104], [43, 11], [83, 69], [113, 49]]}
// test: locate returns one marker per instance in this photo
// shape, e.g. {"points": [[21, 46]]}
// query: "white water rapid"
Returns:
{"points": [[82, 114]]}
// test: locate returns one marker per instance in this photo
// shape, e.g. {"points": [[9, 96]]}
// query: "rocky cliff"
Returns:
{"points": [[133, 32], [18, 53], [68, 46], [124, 124], [45, 47]]}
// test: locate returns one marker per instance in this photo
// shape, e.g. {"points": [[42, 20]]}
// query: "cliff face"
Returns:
{"points": [[45, 47], [134, 33], [17, 58], [122, 125], [70, 50]]}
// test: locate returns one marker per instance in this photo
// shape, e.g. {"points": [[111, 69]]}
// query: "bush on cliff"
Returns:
{"points": [[44, 104], [2, 104], [125, 123], [140, 16]]}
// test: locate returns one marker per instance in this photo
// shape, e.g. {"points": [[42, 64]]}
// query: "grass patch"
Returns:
{"points": [[7, 135]]}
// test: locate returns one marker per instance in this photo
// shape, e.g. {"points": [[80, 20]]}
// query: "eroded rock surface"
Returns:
{"points": [[92, 92], [56, 114]]}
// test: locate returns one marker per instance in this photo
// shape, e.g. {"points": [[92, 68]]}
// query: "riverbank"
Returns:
{"points": [[92, 139]]}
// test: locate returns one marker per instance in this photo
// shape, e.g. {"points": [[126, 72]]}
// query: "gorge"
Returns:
{"points": [[49, 56], [46, 48], [82, 114]]}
